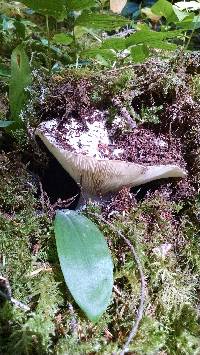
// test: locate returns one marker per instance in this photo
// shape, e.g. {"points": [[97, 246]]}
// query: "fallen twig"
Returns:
{"points": [[142, 280], [15, 302], [73, 323]]}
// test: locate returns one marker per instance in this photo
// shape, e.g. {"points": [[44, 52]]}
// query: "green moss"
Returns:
{"points": [[195, 86], [55, 324], [21, 228], [164, 233]]}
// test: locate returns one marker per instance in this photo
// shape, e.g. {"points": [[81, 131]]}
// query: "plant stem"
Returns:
{"points": [[48, 39], [191, 34]]}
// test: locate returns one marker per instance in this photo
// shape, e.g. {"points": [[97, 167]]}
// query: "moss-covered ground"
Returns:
{"points": [[162, 222]]}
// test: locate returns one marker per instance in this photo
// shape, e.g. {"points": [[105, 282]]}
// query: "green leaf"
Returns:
{"points": [[8, 24], [101, 21], [107, 54], [20, 79], [139, 53], [163, 45], [196, 23], [164, 8], [20, 29], [77, 5], [179, 14], [114, 43], [55, 8], [85, 262], [62, 38], [4, 71], [191, 22], [4, 124], [79, 31], [145, 36]]}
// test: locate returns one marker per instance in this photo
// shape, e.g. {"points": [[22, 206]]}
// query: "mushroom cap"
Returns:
{"points": [[100, 176]]}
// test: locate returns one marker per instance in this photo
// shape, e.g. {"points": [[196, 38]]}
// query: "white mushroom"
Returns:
{"points": [[101, 176]]}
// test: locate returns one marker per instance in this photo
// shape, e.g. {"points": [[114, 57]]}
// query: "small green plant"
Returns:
{"points": [[150, 114], [80, 40], [19, 80], [85, 262]]}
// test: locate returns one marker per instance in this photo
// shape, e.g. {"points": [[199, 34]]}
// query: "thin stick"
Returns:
{"points": [[15, 302], [191, 34], [48, 39], [73, 323], [142, 280]]}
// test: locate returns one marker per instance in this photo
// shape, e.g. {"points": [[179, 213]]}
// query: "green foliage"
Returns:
{"points": [[101, 55], [151, 337], [164, 8], [170, 323], [150, 114], [28, 256], [76, 5], [139, 53], [147, 36], [47, 7], [78, 36], [20, 79], [85, 262], [100, 21], [4, 124], [4, 71], [62, 38], [114, 43]]}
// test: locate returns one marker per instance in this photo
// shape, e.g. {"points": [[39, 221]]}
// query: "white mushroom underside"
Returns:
{"points": [[84, 162]]}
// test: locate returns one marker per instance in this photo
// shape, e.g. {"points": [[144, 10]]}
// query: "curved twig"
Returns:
{"points": [[140, 312]]}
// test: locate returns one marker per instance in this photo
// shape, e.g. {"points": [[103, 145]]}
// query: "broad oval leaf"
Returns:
{"points": [[85, 262]]}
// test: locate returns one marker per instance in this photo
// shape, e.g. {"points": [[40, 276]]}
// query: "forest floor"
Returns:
{"points": [[161, 219]]}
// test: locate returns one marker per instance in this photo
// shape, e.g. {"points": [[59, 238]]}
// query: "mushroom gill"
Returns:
{"points": [[99, 176]]}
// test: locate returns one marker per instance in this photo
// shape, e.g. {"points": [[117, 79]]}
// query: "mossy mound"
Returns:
{"points": [[166, 237], [160, 220]]}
